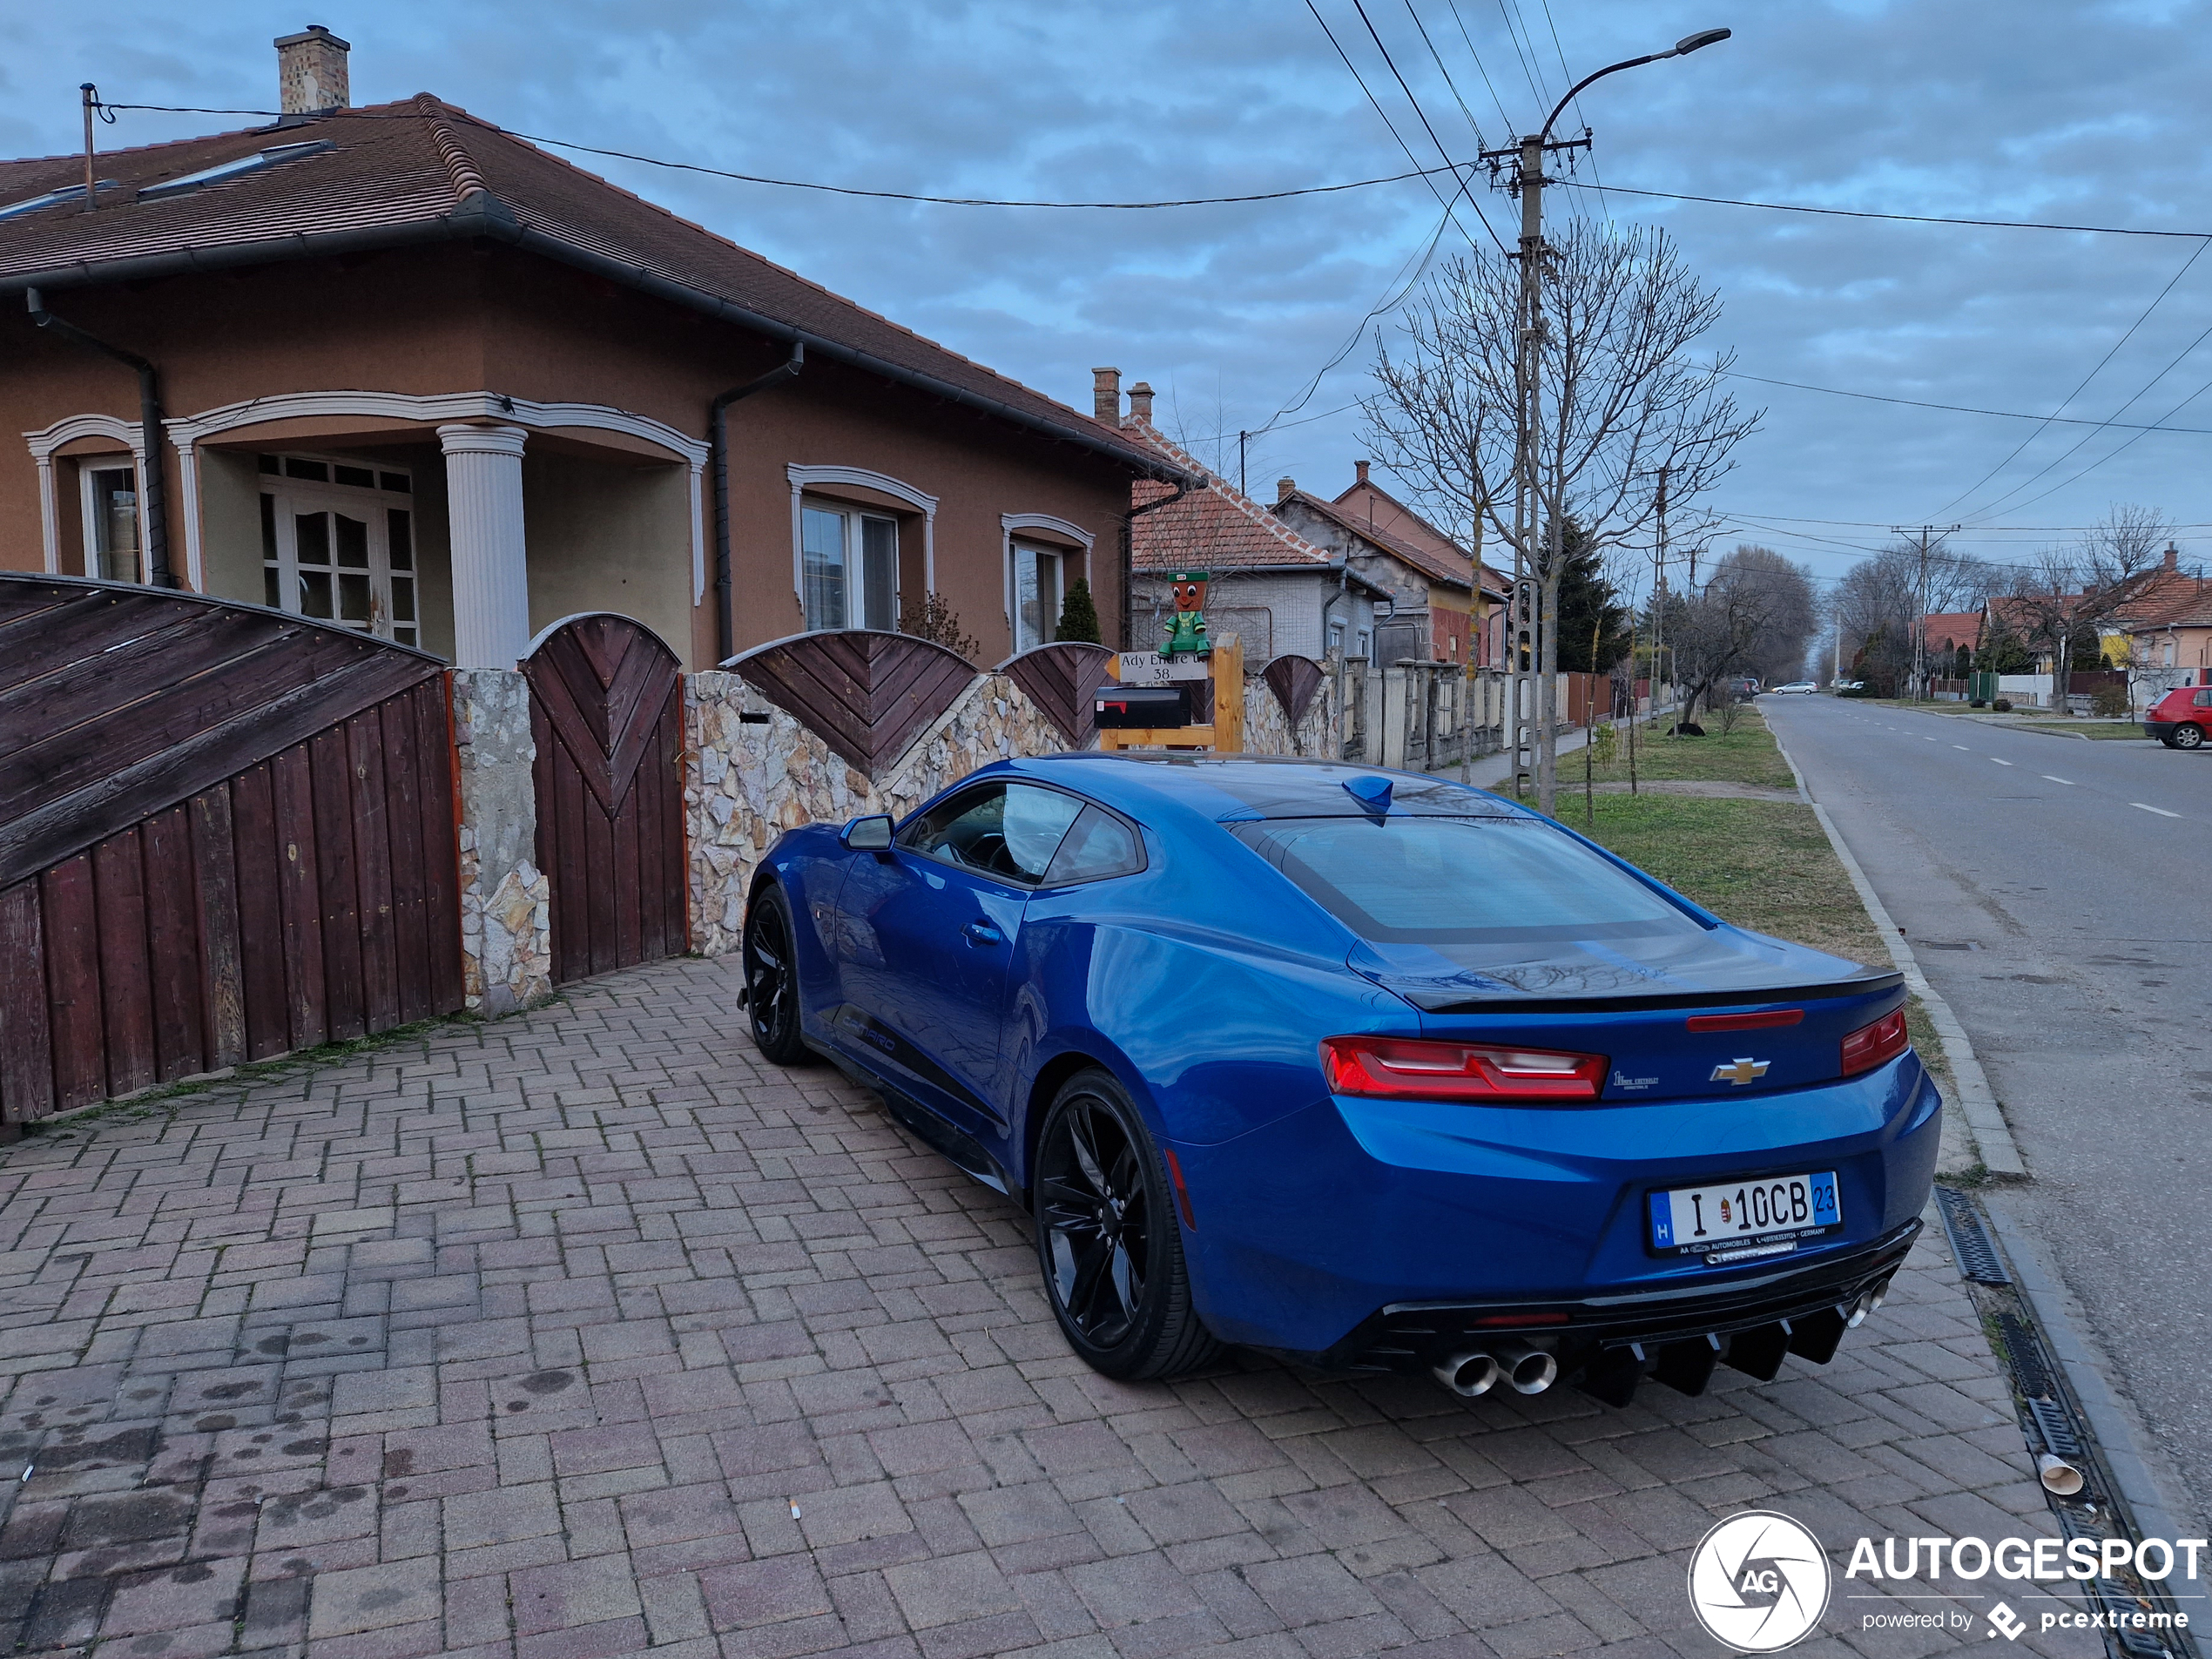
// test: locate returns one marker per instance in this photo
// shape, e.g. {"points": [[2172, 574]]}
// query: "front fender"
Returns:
{"points": [[809, 864]]}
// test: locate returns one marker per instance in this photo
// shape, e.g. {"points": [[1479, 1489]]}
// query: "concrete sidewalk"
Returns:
{"points": [[582, 1333]]}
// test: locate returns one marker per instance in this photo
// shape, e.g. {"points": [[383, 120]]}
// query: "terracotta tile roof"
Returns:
{"points": [[1951, 627], [2164, 597], [1215, 528], [1357, 505], [1455, 569], [421, 169]]}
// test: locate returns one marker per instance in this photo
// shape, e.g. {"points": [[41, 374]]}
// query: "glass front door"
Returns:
{"points": [[337, 544]]}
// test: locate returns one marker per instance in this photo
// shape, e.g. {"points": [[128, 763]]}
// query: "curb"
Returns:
{"points": [[2000, 1154], [2110, 1423]]}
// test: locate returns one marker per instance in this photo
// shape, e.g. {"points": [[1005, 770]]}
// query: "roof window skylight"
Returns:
{"points": [[66, 193], [244, 164]]}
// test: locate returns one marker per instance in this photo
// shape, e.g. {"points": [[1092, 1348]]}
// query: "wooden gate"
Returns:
{"points": [[224, 833], [607, 710]]}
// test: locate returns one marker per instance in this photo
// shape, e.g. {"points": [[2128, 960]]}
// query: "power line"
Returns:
{"points": [[2194, 256], [1448, 215], [1480, 67], [1416, 171], [1472, 126], [1421, 114], [1965, 409], [1528, 71], [1903, 218], [2116, 449]]}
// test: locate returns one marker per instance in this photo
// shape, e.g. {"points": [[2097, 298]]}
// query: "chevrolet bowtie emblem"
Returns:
{"points": [[1742, 1072]]}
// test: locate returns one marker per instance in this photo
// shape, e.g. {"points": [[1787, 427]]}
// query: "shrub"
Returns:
{"points": [[937, 622], [1978, 703], [1078, 617], [1605, 743], [2003, 705], [2109, 703]]}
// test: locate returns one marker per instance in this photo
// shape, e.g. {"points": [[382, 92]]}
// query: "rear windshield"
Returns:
{"points": [[1445, 881]]}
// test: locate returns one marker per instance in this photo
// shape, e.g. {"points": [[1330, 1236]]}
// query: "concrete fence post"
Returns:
{"points": [[506, 901]]}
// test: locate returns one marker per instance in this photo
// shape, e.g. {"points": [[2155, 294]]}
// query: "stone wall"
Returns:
{"points": [[506, 901], [751, 778], [1320, 736]]}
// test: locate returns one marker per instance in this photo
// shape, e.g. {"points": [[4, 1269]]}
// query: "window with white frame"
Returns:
{"points": [[1037, 590], [338, 543], [849, 566], [112, 543]]}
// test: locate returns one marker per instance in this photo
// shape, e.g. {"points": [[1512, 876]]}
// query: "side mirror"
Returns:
{"points": [[870, 834]]}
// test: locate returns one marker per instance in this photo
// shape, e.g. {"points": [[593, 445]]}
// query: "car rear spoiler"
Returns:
{"points": [[1441, 1001]]}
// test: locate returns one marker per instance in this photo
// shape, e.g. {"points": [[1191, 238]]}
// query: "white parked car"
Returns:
{"points": [[1806, 686]]}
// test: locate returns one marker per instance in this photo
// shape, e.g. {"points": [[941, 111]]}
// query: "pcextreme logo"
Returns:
{"points": [[1759, 1581]]}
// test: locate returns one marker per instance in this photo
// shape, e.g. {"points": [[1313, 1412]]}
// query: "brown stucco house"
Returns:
{"points": [[393, 367]]}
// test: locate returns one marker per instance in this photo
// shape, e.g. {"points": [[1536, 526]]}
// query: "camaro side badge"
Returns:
{"points": [[1742, 1072]]}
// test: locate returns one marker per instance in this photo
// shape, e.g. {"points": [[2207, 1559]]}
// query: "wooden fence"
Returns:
{"points": [[224, 833]]}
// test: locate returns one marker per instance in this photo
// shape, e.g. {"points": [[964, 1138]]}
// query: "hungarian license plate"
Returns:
{"points": [[1740, 1221]]}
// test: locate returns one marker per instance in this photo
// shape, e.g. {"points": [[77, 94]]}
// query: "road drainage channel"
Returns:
{"points": [[2076, 1478]]}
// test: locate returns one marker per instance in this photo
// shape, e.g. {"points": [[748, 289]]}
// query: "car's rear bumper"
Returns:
{"points": [[2157, 728], [1376, 1240]]}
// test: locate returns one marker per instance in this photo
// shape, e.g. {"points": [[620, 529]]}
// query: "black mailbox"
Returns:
{"points": [[1143, 707]]}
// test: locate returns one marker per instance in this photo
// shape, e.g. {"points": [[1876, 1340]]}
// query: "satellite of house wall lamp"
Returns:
{"points": [[254, 163], [66, 193]]}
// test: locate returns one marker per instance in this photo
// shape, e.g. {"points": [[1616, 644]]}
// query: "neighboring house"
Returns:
{"points": [[2146, 629], [1438, 605], [1272, 588], [423, 379], [1945, 634]]}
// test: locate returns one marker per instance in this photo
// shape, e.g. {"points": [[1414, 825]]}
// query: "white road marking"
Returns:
{"points": [[2049, 778], [1925, 739], [1961, 746], [2001, 763], [2161, 811]]}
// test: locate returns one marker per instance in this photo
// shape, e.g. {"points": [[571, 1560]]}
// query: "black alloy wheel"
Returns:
{"points": [[1107, 1240], [772, 978], [2188, 737]]}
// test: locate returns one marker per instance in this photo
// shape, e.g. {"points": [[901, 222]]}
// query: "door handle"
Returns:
{"points": [[981, 932]]}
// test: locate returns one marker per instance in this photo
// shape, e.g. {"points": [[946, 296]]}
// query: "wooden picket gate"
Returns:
{"points": [[607, 711], [224, 833]]}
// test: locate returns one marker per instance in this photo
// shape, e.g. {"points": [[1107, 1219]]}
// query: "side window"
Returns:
{"points": [[1099, 845], [2202, 699], [1009, 832]]}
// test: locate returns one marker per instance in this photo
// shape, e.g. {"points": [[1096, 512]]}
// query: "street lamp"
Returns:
{"points": [[1528, 158]]}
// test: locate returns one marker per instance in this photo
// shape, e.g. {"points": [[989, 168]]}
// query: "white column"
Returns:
{"points": [[491, 593]]}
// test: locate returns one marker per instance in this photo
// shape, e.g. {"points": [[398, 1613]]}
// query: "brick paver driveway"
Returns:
{"points": [[582, 1333]]}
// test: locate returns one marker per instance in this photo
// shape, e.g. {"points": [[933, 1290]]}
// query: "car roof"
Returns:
{"points": [[1234, 787]]}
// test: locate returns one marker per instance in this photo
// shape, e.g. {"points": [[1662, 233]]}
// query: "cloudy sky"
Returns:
{"points": [[2033, 109]]}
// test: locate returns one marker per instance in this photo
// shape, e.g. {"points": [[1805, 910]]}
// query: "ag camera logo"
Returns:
{"points": [[1759, 1581]]}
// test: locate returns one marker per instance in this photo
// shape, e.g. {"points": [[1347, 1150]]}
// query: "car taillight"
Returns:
{"points": [[1876, 1044], [1746, 1021], [1399, 1069]]}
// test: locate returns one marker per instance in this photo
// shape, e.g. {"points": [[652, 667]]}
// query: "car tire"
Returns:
{"points": [[2186, 736], [1108, 1244], [772, 979]]}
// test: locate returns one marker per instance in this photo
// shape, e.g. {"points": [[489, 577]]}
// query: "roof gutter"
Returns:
{"points": [[154, 521], [484, 217]]}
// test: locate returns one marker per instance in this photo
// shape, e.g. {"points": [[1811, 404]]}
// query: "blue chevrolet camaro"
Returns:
{"points": [[1372, 1071]]}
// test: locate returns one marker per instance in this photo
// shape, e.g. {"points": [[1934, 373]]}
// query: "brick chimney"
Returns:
{"points": [[1106, 395], [311, 71], [1285, 488], [2172, 556], [1140, 402], [1360, 467]]}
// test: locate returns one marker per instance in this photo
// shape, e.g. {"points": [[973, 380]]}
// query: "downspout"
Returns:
{"points": [[1344, 587], [726, 619], [1128, 551], [157, 515]]}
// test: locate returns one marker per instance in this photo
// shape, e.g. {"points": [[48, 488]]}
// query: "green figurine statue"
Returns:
{"points": [[1186, 635]]}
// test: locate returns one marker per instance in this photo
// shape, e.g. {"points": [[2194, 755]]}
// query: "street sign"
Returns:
{"points": [[1146, 668]]}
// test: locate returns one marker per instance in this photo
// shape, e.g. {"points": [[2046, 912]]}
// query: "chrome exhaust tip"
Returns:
{"points": [[1470, 1375], [1530, 1371]]}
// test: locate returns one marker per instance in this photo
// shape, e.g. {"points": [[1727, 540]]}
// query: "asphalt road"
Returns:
{"points": [[2055, 892]]}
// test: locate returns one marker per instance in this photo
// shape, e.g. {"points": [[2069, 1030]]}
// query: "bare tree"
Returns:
{"points": [[1619, 402], [2065, 593], [1755, 617]]}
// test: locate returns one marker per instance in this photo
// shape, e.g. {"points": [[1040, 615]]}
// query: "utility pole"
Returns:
{"points": [[1533, 703], [1241, 490], [91, 96], [1925, 535]]}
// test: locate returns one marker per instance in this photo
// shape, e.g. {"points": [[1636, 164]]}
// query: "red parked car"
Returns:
{"points": [[2182, 719]]}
